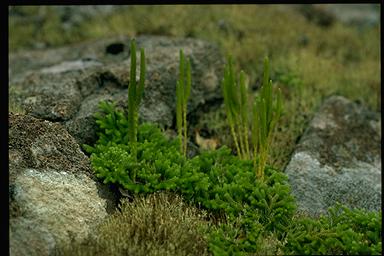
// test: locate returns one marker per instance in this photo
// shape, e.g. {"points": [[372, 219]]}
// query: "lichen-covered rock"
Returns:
{"points": [[54, 198], [66, 84], [338, 159]]}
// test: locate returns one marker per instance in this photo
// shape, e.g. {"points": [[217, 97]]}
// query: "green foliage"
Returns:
{"points": [[157, 162], [216, 180], [236, 106], [135, 93], [236, 236], [226, 186], [113, 126], [231, 187], [342, 232], [266, 112], [183, 90]]}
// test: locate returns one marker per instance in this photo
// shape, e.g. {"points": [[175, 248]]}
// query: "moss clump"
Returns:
{"points": [[156, 224]]}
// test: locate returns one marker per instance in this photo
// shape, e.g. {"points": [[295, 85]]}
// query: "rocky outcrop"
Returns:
{"points": [[66, 84], [338, 159], [53, 196]]}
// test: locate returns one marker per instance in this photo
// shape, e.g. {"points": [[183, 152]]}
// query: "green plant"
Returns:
{"points": [[216, 179], [266, 112], [183, 90], [229, 186], [135, 93], [236, 236], [343, 231], [236, 106], [157, 163]]}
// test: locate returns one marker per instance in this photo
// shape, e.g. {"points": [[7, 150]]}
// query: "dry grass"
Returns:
{"points": [[158, 224]]}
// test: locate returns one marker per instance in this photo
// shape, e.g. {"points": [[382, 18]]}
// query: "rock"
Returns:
{"points": [[66, 84], [325, 15], [316, 14], [73, 16], [54, 198], [338, 159], [359, 15]]}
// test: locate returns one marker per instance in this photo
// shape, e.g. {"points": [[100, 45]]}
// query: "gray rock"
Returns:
{"points": [[338, 159], [358, 15], [54, 198], [355, 14], [67, 84], [72, 16]]}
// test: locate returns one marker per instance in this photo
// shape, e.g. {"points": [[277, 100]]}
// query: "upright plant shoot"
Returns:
{"points": [[236, 106], [266, 112], [183, 90], [135, 93]]}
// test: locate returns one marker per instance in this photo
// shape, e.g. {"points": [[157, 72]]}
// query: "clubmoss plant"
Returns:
{"points": [[342, 231], [217, 180], [236, 106], [266, 112], [135, 93], [183, 90]]}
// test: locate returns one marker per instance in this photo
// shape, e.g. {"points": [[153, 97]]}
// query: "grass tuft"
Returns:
{"points": [[152, 225]]}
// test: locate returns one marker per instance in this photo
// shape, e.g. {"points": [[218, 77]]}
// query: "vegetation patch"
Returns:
{"points": [[249, 212], [156, 224]]}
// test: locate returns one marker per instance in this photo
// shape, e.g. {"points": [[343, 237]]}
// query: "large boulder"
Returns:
{"points": [[66, 84], [54, 198], [338, 159]]}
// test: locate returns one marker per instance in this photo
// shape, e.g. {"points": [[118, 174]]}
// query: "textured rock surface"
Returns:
{"points": [[359, 15], [338, 159], [53, 196], [66, 84], [355, 14]]}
